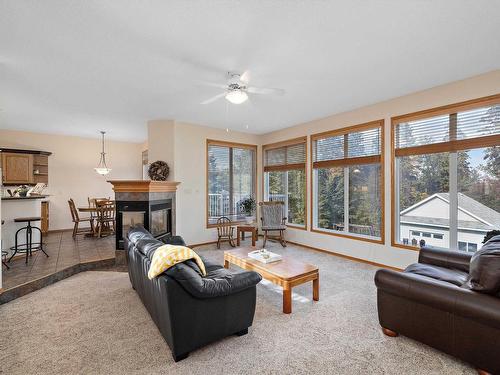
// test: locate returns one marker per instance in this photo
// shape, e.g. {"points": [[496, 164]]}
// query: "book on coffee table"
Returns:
{"points": [[264, 256]]}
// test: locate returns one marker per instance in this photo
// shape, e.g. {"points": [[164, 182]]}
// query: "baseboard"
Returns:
{"points": [[201, 244], [360, 260]]}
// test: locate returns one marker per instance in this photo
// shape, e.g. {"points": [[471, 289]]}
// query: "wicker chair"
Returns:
{"points": [[225, 231], [273, 220]]}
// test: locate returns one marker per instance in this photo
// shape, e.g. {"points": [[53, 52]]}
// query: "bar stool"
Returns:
{"points": [[29, 246], [4, 253]]}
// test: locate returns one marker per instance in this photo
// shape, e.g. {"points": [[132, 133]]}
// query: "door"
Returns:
{"points": [[17, 168]]}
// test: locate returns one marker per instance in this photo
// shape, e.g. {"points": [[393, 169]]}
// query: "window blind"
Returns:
{"points": [[292, 156], [457, 130], [349, 147]]}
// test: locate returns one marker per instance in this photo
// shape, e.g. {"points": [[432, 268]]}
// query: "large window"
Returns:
{"points": [[347, 182], [446, 189], [230, 179], [285, 178]]}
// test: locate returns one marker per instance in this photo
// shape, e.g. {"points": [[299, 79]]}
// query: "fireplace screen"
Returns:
{"points": [[131, 218]]}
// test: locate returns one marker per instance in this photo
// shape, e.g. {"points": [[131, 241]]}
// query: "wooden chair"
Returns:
{"points": [[224, 231], [273, 220], [105, 217], [93, 204], [77, 220]]}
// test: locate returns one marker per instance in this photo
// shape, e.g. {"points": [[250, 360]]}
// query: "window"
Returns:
{"points": [[447, 174], [230, 179], [347, 181], [467, 246], [285, 178]]}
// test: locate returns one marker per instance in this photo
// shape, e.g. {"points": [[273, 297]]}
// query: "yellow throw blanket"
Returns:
{"points": [[167, 256]]}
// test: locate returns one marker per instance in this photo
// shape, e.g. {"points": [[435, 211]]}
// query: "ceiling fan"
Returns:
{"points": [[236, 90]]}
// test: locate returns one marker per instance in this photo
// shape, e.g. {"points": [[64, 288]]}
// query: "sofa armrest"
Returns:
{"points": [[482, 308], [445, 258]]}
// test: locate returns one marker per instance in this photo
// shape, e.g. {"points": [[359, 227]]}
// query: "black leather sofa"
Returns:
{"points": [[448, 302], [190, 310]]}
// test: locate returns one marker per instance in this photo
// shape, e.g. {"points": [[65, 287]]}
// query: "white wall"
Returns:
{"points": [[472, 88], [71, 168], [190, 170]]}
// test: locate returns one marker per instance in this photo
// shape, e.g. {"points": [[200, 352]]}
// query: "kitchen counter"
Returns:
{"points": [[24, 198], [15, 207]]}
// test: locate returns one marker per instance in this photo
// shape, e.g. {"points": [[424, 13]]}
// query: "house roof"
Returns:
{"points": [[440, 222], [487, 218]]}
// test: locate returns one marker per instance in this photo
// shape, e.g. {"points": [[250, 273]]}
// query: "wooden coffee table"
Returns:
{"points": [[286, 273]]}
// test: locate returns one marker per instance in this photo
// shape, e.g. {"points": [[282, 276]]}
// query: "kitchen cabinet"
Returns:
{"points": [[17, 168], [24, 167]]}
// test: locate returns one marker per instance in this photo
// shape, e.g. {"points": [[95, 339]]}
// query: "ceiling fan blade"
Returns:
{"points": [[211, 84], [265, 91], [214, 98], [245, 77]]}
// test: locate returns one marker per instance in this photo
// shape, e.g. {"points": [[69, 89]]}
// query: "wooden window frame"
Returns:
{"points": [[287, 167], [453, 145], [213, 142], [346, 162]]}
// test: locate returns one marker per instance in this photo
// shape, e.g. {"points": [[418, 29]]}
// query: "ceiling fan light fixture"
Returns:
{"points": [[236, 96]]}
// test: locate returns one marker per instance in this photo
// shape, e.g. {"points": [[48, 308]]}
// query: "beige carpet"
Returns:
{"points": [[95, 323]]}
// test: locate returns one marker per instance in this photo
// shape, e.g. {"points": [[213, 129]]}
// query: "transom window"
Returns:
{"points": [[347, 181], [447, 175], [285, 178], [231, 178]]}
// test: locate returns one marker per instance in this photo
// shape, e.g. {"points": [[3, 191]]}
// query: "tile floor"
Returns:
{"points": [[63, 252]]}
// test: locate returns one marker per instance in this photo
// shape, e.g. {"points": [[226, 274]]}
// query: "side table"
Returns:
{"points": [[241, 229]]}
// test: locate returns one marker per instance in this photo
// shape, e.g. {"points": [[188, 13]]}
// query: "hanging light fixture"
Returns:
{"points": [[102, 168]]}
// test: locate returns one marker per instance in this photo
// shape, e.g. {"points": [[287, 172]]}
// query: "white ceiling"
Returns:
{"points": [[76, 67]]}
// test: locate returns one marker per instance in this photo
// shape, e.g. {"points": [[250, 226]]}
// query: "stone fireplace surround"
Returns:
{"points": [[136, 201]]}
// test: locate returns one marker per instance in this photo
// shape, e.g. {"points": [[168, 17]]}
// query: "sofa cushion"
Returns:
{"points": [[485, 268], [137, 233], [147, 246], [218, 281], [448, 275]]}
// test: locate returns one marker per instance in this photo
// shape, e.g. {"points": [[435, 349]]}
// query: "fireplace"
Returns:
{"points": [[148, 203]]}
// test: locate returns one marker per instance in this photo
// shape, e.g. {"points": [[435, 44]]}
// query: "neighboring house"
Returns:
{"points": [[429, 220]]}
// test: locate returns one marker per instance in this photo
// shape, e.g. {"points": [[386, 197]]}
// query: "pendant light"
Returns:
{"points": [[102, 168]]}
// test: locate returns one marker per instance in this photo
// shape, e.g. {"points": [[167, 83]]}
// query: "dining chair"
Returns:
{"points": [[225, 231], [273, 220], [77, 220], [105, 217]]}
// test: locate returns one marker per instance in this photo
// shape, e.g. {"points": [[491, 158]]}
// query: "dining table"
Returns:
{"points": [[94, 212]]}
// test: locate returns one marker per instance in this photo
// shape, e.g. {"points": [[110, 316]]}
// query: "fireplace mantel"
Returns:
{"points": [[143, 186]]}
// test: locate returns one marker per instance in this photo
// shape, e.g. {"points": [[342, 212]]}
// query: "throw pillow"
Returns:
{"points": [[484, 273]]}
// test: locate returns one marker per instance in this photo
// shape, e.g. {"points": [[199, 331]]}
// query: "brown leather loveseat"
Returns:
{"points": [[449, 300]]}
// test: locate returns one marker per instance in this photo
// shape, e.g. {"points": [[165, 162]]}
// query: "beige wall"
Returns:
{"points": [[71, 168], [161, 135], [472, 88], [190, 170]]}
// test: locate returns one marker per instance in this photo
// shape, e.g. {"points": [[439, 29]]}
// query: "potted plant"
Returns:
{"points": [[247, 205], [22, 190]]}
